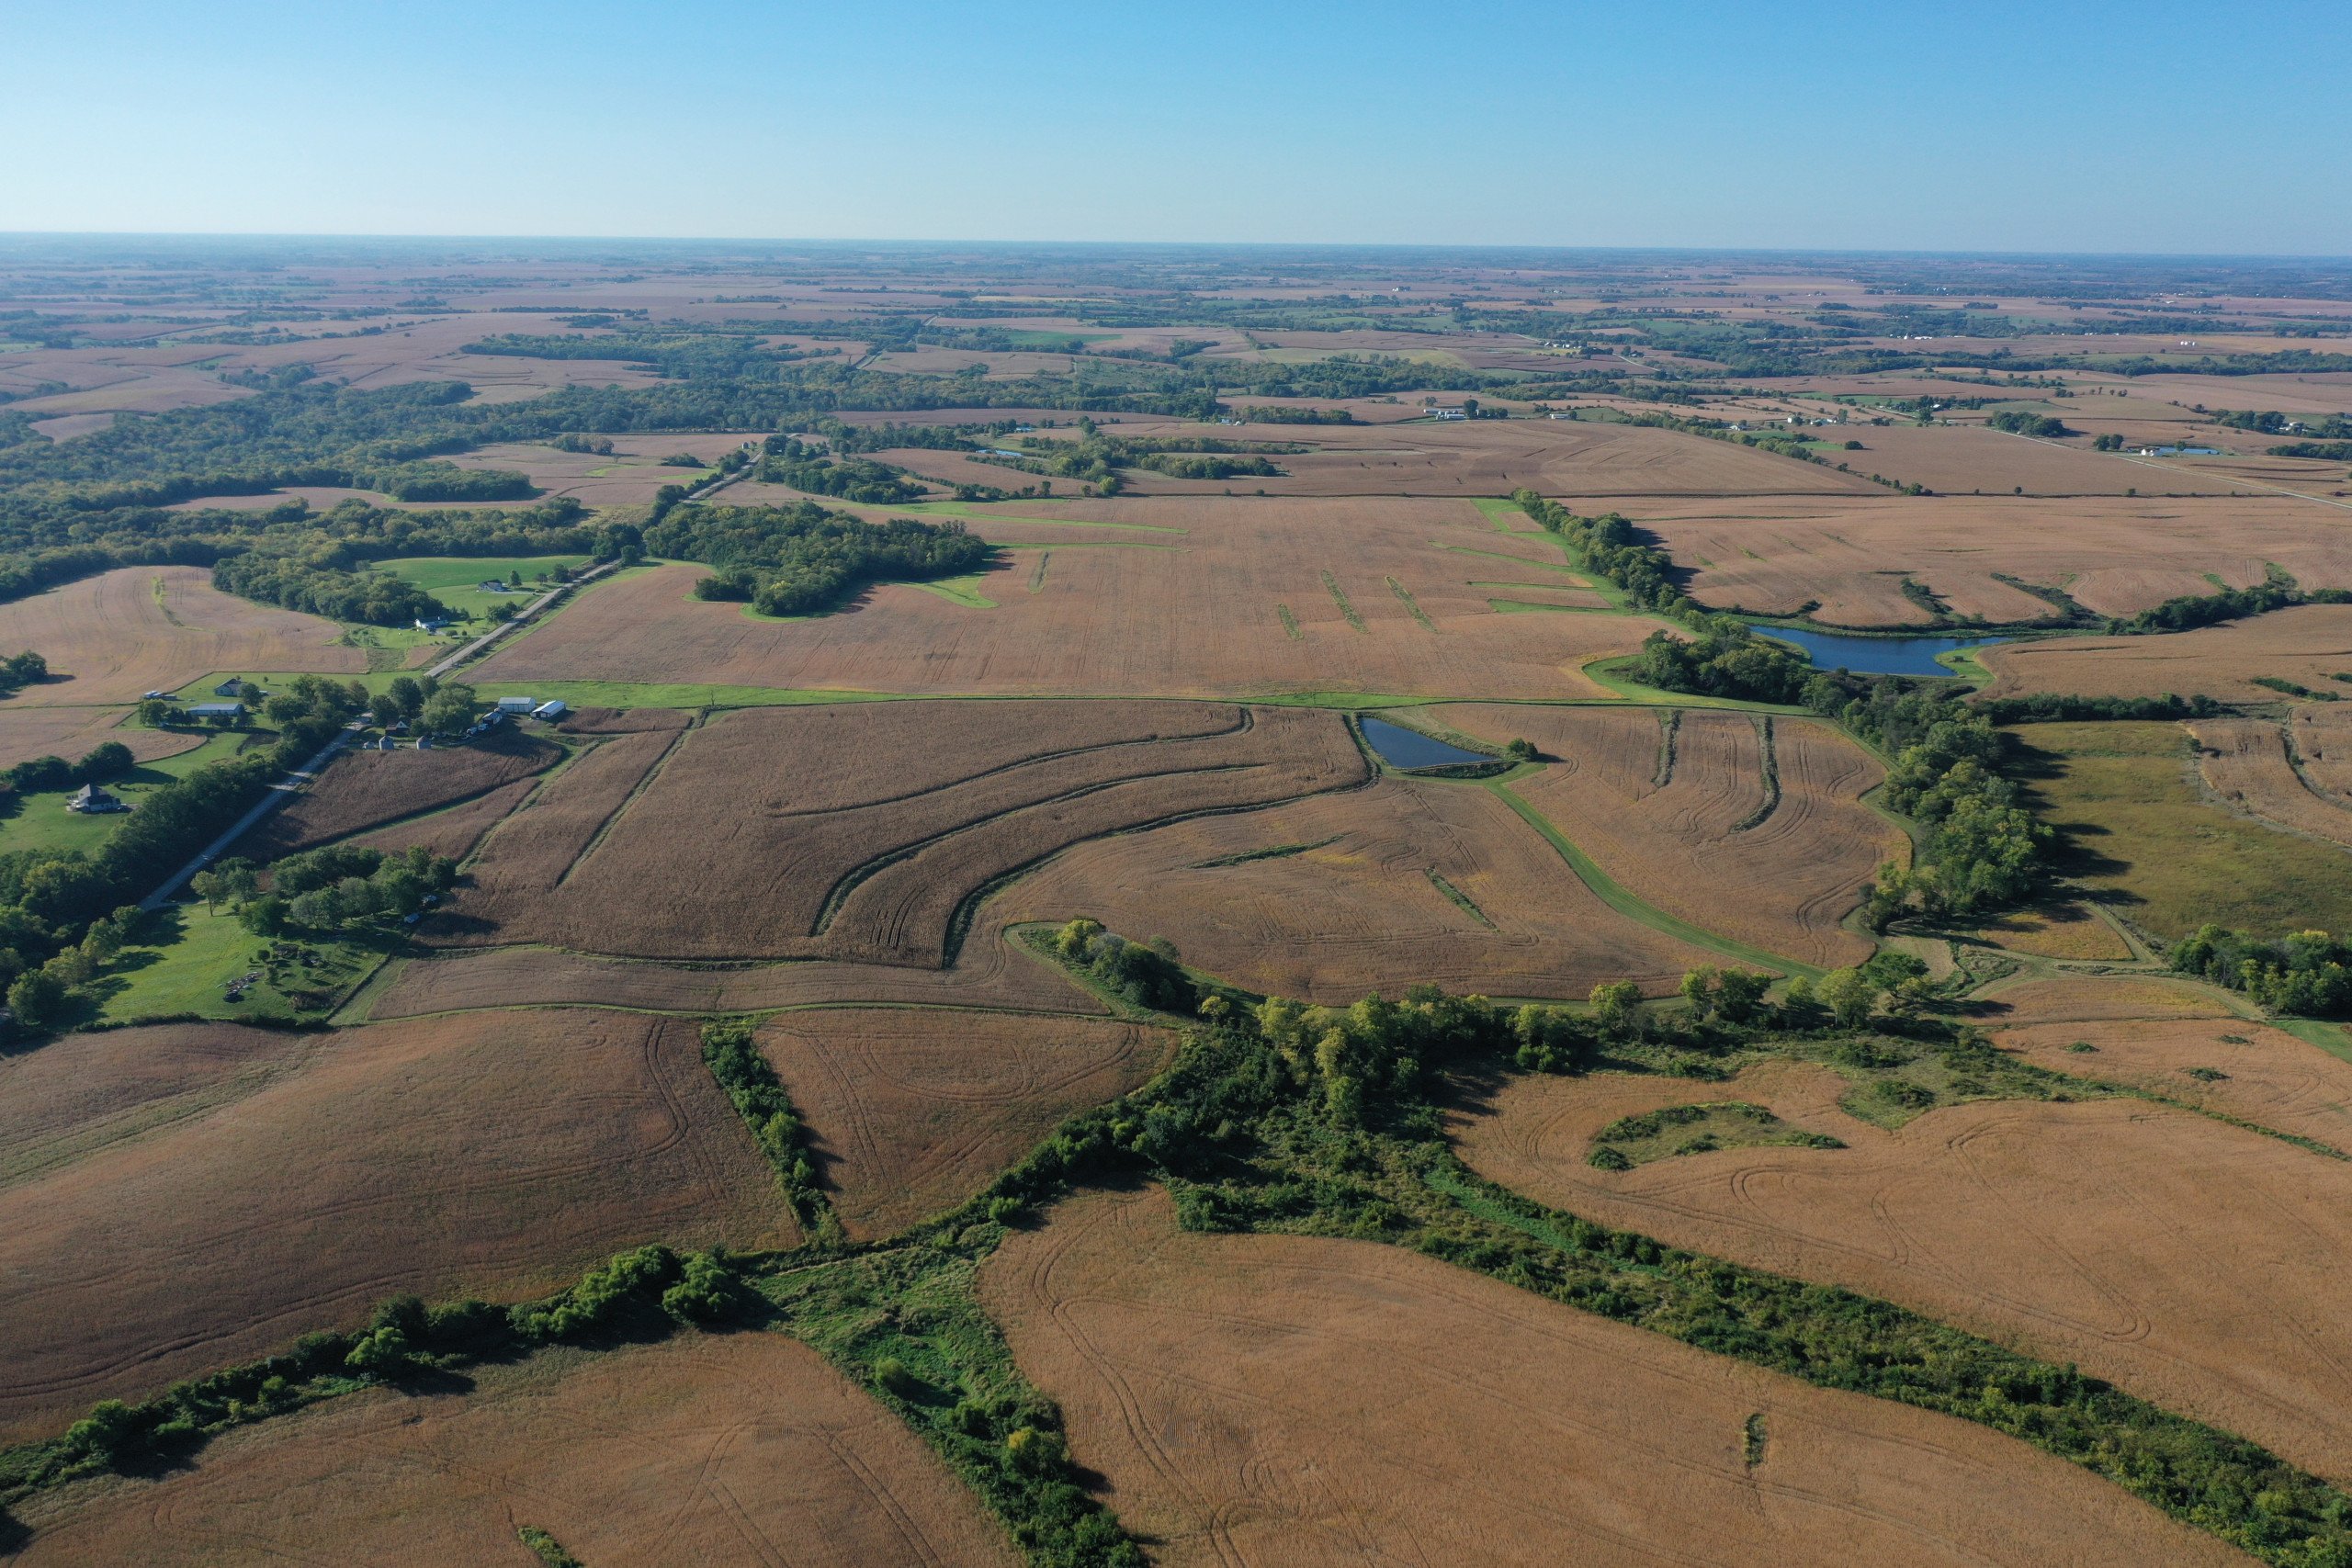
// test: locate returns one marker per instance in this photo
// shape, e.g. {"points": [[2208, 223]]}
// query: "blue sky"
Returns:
{"points": [[1985, 125]]}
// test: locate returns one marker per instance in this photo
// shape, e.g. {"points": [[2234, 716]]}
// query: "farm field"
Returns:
{"points": [[2115, 556], [1251, 598], [72, 733], [109, 638], [362, 790], [1752, 827], [2247, 762], [2255, 1072], [742, 1448], [916, 1108], [2307, 644], [495, 1154], [766, 1052], [1326, 899], [660, 844], [2148, 843], [1265, 1399], [2188, 1261]]}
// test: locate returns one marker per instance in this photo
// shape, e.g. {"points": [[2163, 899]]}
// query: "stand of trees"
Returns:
{"points": [[861, 479], [2308, 973], [799, 561]]}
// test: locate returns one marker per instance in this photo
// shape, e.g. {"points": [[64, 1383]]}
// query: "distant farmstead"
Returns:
{"points": [[90, 798]]}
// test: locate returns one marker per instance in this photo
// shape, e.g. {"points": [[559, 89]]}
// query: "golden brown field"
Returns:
{"points": [[211, 1210], [1265, 1399], [738, 1448], [1681, 810], [1200, 613], [1330, 898], [2307, 644], [2189, 1261], [116, 636]]}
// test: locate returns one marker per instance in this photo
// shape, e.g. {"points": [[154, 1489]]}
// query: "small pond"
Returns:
{"points": [[1402, 747], [2183, 451], [1876, 655]]}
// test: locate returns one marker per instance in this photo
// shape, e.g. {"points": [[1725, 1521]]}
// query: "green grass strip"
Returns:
{"points": [[1609, 892], [1331, 584], [546, 1548], [1412, 605]]}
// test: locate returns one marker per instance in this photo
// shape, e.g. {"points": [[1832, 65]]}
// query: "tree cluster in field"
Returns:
{"points": [[331, 890], [730, 1049], [1295, 414], [1145, 975], [21, 670], [803, 559], [1096, 459], [2308, 972], [107, 760], [1609, 546], [55, 905], [792, 462], [2018, 421], [374, 597]]}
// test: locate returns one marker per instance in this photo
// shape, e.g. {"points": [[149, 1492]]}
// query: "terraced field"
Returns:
{"points": [[851, 834]]}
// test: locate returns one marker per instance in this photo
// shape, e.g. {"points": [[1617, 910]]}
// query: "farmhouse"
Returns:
{"points": [[227, 688], [90, 798], [431, 625]]}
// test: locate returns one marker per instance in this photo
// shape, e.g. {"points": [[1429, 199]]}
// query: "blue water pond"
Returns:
{"points": [[1402, 747], [1876, 655]]}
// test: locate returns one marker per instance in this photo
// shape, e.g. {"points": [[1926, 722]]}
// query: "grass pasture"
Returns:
{"points": [[2145, 842], [39, 821], [185, 957]]}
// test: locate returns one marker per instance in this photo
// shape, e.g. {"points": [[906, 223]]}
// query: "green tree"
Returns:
{"points": [[1613, 1004], [37, 998], [1849, 995]]}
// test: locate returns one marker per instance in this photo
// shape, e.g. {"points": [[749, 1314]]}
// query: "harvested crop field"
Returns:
{"points": [[2307, 644], [2084, 998], [1495, 457], [2114, 556], [1750, 828], [451, 833], [1263, 1399], [250, 1197], [70, 733], [1212, 596], [1410, 881], [991, 971], [702, 1449], [2195, 1264], [139, 629], [362, 790], [862, 831], [913, 1109], [2236, 1066], [2143, 837], [2251, 764]]}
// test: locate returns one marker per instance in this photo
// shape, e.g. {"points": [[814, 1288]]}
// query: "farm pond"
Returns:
{"points": [[1402, 747], [1875, 654]]}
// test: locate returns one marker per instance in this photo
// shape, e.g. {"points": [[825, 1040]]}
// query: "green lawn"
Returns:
{"points": [[185, 957], [41, 822], [452, 577]]}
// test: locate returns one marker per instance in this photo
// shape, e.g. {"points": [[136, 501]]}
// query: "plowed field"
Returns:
{"points": [[847, 833], [361, 790], [144, 628], [1330, 898], [990, 973], [1691, 820], [912, 1109], [70, 733], [1197, 587], [2115, 556], [2247, 762], [2307, 645], [746, 1448], [2195, 1264], [455, 832], [171, 1228], [2266, 1076], [1278, 1400]]}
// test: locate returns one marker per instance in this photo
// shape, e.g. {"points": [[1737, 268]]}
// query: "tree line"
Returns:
{"points": [[803, 559]]}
